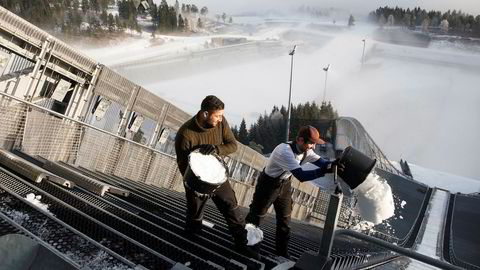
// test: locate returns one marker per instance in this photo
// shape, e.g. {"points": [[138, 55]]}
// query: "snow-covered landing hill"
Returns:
{"points": [[451, 182]]}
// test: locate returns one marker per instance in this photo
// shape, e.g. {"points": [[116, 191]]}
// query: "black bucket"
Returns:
{"points": [[357, 167], [195, 183]]}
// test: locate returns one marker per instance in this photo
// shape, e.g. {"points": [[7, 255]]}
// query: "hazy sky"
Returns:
{"points": [[356, 7]]}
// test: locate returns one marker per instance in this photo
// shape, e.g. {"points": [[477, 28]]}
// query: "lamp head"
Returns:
{"points": [[292, 52]]}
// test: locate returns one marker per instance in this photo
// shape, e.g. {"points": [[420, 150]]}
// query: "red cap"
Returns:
{"points": [[311, 134]]}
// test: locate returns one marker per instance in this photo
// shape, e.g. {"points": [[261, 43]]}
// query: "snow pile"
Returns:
{"points": [[254, 234], [363, 226], [17, 216], [374, 200], [97, 261], [208, 168], [36, 201]]}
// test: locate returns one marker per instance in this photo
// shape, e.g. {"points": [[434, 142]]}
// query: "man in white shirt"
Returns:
{"points": [[274, 183]]}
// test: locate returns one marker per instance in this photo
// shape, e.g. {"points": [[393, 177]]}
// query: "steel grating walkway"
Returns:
{"points": [[145, 228]]}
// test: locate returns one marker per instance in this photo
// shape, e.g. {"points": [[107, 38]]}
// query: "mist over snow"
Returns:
{"points": [[419, 104]]}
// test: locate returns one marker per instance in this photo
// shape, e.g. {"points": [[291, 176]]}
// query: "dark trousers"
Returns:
{"points": [[226, 202], [278, 192]]}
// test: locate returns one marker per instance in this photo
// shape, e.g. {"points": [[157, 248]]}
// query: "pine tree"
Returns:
{"points": [[85, 6], [243, 133], [257, 147], [204, 11], [111, 22], [75, 5], [95, 5], [103, 4], [154, 15], [194, 9], [104, 17], [163, 18], [351, 21], [118, 22], [172, 15], [177, 7], [235, 132], [187, 25], [181, 23]]}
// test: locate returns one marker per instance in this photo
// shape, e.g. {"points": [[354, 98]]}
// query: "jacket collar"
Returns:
{"points": [[197, 124], [294, 147]]}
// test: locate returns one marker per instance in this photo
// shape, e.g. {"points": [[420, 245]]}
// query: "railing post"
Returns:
{"points": [[158, 127], [122, 128], [38, 63], [322, 259], [88, 96]]}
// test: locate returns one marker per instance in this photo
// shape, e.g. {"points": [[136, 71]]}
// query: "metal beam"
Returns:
{"points": [[403, 251]]}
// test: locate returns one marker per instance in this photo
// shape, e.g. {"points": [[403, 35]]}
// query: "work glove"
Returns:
{"points": [[339, 165], [208, 149], [336, 162]]}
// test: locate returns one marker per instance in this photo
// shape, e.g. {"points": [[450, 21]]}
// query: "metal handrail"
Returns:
{"points": [[403, 251]]}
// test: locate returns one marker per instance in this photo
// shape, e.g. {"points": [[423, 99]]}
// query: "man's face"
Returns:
{"points": [[214, 118], [305, 145]]}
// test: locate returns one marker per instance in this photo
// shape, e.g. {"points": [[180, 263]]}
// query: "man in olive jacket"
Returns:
{"points": [[209, 132]]}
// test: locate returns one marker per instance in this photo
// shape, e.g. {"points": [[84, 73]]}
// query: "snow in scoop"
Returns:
{"points": [[207, 168]]}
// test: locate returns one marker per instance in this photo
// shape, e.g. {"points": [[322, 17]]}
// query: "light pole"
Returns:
{"points": [[363, 52], [325, 86], [291, 53]]}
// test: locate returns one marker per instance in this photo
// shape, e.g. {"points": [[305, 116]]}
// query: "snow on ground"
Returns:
{"points": [[143, 46], [444, 180], [433, 178], [435, 216], [35, 200]]}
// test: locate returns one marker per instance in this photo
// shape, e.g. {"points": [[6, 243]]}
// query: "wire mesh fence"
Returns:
{"points": [[50, 137], [40, 132], [98, 151], [12, 122]]}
